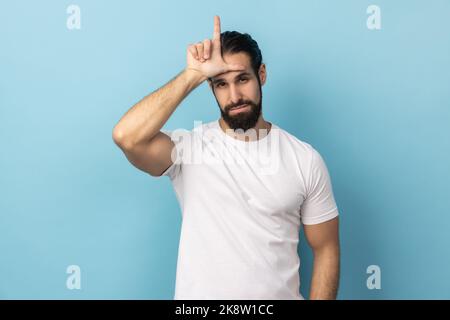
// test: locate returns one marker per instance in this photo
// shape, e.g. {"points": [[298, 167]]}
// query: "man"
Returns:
{"points": [[241, 219]]}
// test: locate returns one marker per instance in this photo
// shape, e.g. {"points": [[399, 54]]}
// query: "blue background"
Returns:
{"points": [[374, 103]]}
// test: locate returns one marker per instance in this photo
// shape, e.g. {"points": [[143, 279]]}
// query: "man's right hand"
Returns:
{"points": [[206, 57]]}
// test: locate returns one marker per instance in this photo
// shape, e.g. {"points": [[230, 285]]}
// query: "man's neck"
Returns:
{"points": [[262, 128]]}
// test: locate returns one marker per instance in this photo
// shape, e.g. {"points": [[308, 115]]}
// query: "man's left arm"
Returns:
{"points": [[323, 239]]}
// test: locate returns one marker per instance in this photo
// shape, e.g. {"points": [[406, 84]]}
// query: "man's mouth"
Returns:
{"points": [[240, 108]]}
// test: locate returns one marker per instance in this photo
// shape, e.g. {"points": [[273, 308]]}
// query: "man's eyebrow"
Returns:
{"points": [[244, 73]]}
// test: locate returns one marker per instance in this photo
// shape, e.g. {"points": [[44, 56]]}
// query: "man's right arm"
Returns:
{"points": [[138, 131]]}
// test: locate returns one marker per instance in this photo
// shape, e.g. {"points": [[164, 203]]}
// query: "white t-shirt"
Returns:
{"points": [[242, 205]]}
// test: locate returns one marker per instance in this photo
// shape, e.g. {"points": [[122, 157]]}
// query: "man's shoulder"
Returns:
{"points": [[200, 127], [304, 152], [297, 143]]}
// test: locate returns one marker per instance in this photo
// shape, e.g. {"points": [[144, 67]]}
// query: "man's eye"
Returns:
{"points": [[243, 79], [221, 84]]}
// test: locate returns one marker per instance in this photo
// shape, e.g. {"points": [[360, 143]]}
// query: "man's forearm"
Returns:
{"points": [[146, 118], [325, 278]]}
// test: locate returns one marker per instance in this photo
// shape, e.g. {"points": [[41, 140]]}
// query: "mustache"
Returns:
{"points": [[239, 103]]}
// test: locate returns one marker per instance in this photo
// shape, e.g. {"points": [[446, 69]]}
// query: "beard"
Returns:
{"points": [[243, 120]]}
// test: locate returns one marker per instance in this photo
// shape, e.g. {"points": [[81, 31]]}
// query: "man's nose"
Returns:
{"points": [[235, 94]]}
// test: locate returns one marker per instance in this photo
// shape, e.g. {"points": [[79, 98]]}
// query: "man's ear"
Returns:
{"points": [[262, 74]]}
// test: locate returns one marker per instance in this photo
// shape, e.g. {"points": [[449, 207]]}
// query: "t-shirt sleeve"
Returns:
{"points": [[175, 168], [319, 205]]}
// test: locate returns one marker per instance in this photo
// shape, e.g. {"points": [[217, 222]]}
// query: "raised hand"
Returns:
{"points": [[206, 57]]}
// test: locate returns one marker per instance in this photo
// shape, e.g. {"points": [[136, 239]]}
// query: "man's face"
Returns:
{"points": [[238, 93]]}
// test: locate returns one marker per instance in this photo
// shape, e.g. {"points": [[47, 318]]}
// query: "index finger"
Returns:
{"points": [[216, 35]]}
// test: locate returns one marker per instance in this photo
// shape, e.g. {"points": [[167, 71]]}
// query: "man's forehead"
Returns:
{"points": [[229, 75]]}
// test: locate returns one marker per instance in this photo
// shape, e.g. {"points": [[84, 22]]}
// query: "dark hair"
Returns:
{"points": [[235, 42]]}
